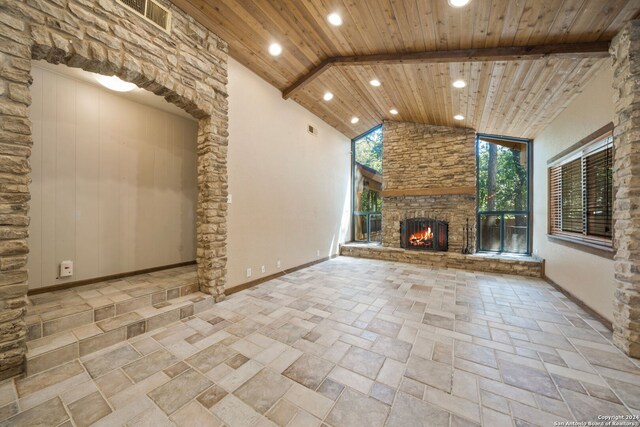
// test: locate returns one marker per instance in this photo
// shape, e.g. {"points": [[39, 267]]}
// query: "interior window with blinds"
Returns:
{"points": [[580, 193]]}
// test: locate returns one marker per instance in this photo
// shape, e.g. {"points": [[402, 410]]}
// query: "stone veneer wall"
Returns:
{"points": [[188, 67], [625, 50], [419, 156]]}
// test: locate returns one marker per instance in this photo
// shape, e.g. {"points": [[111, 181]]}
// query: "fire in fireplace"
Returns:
{"points": [[424, 234]]}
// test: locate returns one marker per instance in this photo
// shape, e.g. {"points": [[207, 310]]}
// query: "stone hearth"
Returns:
{"points": [[486, 262]]}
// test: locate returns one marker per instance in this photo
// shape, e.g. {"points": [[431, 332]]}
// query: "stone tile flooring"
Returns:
{"points": [[350, 342]]}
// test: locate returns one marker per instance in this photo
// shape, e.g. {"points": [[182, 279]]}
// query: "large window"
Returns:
{"points": [[367, 186], [503, 194], [580, 192]]}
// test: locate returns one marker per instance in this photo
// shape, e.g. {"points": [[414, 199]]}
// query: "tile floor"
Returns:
{"points": [[350, 342]]}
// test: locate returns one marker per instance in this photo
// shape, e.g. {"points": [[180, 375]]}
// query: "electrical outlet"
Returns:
{"points": [[229, 198], [264, 269], [248, 272], [318, 252], [278, 263]]}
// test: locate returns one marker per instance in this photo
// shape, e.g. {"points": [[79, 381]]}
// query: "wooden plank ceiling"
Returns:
{"points": [[515, 98]]}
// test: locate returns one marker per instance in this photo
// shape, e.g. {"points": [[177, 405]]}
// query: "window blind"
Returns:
{"points": [[598, 174], [572, 212], [580, 193]]}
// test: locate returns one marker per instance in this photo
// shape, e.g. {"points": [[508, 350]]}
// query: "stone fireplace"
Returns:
{"points": [[430, 180], [429, 173]]}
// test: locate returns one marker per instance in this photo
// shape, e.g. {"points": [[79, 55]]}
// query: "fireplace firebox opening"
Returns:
{"points": [[424, 234]]}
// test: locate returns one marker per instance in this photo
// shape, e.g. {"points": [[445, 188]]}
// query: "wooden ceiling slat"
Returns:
{"points": [[376, 94], [564, 18], [362, 97], [425, 21], [377, 29], [278, 19], [494, 21], [422, 98], [542, 92], [467, 18], [402, 13], [513, 17], [416, 98], [345, 37], [628, 12], [505, 84], [540, 21], [537, 89], [496, 74]]}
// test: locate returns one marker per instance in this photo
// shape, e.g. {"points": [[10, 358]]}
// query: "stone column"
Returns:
{"points": [[625, 50], [212, 203], [15, 149]]}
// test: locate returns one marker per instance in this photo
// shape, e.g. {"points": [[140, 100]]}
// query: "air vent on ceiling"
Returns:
{"points": [[312, 130], [152, 11]]}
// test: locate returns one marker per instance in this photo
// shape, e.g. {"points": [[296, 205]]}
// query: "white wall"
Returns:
{"points": [[114, 182], [588, 277], [290, 190]]}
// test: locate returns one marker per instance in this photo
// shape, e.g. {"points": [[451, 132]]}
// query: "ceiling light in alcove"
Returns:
{"points": [[354, 120], [458, 117], [114, 83], [393, 111], [458, 3], [328, 96], [334, 19], [375, 82], [275, 49], [459, 84]]}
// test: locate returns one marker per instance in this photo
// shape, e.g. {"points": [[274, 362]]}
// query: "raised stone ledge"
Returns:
{"points": [[490, 263]]}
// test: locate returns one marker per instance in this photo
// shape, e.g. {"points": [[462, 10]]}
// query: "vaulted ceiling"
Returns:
{"points": [[514, 95]]}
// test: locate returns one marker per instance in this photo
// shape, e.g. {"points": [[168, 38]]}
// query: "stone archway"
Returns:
{"points": [[187, 66]]}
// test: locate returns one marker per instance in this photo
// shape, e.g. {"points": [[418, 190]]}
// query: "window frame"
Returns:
{"points": [[501, 213], [599, 141], [355, 213]]}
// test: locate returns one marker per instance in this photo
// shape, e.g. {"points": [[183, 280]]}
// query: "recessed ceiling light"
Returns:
{"points": [[393, 111], [275, 49], [458, 117], [334, 19], [459, 84], [354, 120], [458, 3], [328, 96], [114, 83], [375, 82]]}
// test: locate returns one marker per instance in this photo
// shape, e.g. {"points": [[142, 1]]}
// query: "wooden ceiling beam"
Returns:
{"points": [[307, 78], [599, 49]]}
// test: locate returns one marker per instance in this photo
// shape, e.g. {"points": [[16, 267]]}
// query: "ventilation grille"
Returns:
{"points": [[157, 14], [150, 10], [137, 5], [312, 130]]}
